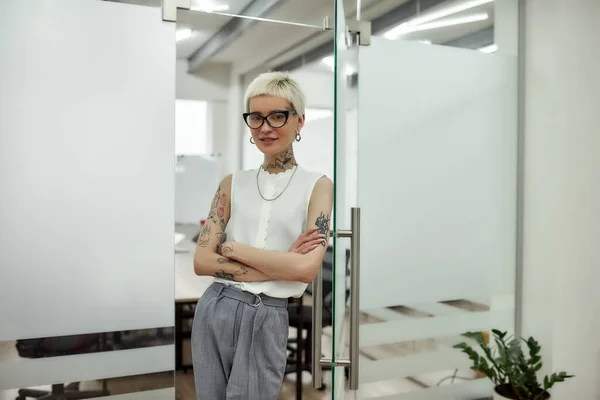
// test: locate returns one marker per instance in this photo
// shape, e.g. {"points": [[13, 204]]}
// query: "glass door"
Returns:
{"points": [[425, 213], [344, 303]]}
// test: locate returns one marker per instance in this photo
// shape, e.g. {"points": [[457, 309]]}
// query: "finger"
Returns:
{"points": [[317, 240], [305, 241], [302, 238], [320, 240], [303, 247], [306, 238], [302, 242], [309, 249], [312, 238], [307, 232], [312, 244], [306, 245]]}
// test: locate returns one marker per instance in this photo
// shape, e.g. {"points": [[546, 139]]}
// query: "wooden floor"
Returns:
{"points": [[185, 389]]}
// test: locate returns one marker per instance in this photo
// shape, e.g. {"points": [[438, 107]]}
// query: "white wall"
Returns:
{"points": [[192, 127], [562, 189], [211, 82], [317, 86]]}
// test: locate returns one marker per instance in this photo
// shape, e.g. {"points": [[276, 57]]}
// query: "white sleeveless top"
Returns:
{"points": [[270, 225]]}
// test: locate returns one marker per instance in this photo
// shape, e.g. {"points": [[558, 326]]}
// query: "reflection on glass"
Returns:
{"points": [[464, 23]]}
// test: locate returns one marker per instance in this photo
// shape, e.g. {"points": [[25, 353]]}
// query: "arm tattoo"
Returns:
{"points": [[214, 205], [204, 238], [217, 208], [226, 251], [224, 275], [205, 234], [322, 224], [217, 216], [227, 275]]}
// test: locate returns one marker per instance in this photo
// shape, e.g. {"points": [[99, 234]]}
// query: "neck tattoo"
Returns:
{"points": [[284, 161]]}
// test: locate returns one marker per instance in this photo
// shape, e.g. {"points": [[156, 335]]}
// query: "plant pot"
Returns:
{"points": [[499, 389], [499, 397]]}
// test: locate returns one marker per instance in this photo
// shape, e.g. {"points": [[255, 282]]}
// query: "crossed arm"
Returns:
{"points": [[241, 262], [206, 259]]}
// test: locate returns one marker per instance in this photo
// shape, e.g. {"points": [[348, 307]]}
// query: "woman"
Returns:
{"points": [[263, 241]]}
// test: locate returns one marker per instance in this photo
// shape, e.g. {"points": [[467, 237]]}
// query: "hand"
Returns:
{"points": [[308, 241], [226, 249]]}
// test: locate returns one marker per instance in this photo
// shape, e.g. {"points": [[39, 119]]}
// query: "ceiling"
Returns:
{"points": [[268, 43]]}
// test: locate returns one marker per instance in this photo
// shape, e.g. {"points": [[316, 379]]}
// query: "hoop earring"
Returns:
{"points": [[251, 140], [298, 137]]}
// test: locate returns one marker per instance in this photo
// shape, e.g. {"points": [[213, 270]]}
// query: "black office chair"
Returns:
{"points": [[60, 346]]}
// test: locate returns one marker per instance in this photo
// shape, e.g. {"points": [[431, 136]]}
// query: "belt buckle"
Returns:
{"points": [[259, 301]]}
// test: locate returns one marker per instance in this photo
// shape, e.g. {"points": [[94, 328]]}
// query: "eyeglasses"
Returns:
{"points": [[276, 119]]}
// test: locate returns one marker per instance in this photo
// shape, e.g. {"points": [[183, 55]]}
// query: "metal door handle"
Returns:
{"points": [[317, 330]]}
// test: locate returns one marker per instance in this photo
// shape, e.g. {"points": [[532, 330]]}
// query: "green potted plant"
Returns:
{"points": [[514, 375]]}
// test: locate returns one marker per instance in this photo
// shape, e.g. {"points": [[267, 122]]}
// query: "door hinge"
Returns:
{"points": [[362, 29], [169, 8]]}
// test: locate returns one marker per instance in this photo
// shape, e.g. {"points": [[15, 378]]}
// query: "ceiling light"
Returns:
{"points": [[492, 48], [446, 11], [329, 61], [315, 114], [405, 28], [209, 6], [440, 13], [182, 34]]}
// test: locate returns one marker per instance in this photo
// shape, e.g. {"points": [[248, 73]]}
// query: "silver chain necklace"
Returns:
{"points": [[286, 186]]}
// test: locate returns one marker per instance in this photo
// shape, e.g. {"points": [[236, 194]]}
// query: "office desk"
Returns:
{"points": [[189, 287]]}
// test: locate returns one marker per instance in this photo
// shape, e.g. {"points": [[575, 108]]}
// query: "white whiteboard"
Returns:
{"points": [[196, 182]]}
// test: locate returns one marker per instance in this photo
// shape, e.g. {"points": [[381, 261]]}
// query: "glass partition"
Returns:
{"points": [[86, 230], [437, 190], [426, 148]]}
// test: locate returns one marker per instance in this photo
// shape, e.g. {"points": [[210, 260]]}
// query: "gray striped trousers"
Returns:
{"points": [[239, 344]]}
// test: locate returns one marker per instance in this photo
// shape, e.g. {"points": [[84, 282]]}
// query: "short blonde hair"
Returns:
{"points": [[278, 84]]}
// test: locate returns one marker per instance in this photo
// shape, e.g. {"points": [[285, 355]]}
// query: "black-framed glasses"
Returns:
{"points": [[276, 119]]}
